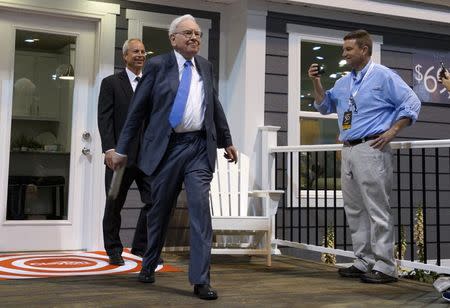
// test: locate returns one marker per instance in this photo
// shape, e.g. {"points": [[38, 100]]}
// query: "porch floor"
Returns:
{"points": [[239, 280]]}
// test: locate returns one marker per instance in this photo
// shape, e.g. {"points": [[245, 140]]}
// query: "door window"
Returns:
{"points": [[41, 126]]}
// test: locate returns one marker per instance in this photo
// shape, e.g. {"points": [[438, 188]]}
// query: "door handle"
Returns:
{"points": [[86, 135], [86, 151]]}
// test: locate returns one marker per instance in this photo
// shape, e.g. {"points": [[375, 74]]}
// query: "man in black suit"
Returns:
{"points": [[186, 125], [113, 104]]}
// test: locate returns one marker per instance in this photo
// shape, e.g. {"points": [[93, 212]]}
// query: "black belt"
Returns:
{"points": [[187, 135], [350, 143]]}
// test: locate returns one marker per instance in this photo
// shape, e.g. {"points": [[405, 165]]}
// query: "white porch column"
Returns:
{"points": [[243, 47]]}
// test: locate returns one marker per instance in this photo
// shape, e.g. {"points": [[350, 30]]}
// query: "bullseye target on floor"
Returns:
{"points": [[22, 266]]}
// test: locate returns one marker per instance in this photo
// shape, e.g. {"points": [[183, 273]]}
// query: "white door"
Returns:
{"points": [[47, 104]]}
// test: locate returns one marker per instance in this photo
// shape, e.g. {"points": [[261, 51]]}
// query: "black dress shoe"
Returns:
{"points": [[377, 277], [204, 291], [350, 272], [116, 260], [146, 276]]}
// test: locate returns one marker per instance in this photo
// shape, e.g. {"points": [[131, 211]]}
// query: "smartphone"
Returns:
{"points": [[442, 71], [320, 70]]}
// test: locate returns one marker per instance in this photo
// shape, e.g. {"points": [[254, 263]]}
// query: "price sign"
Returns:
{"points": [[426, 69]]}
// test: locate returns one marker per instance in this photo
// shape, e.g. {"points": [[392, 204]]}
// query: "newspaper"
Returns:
{"points": [[115, 183]]}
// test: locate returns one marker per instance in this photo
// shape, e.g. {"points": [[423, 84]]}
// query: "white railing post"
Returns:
{"points": [[269, 140]]}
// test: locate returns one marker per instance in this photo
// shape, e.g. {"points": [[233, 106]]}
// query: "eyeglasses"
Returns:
{"points": [[190, 33]]}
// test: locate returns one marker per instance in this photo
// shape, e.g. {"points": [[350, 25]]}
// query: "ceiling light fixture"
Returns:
{"points": [[316, 47]]}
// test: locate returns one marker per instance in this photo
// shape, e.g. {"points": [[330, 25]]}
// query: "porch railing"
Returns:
{"points": [[312, 206]]}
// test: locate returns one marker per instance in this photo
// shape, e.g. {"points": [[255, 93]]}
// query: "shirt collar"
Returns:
{"points": [[359, 75], [181, 60], [132, 76]]}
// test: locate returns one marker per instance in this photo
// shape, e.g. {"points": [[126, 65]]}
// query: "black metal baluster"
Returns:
{"points": [[438, 222], [307, 197], [291, 194], [325, 205], [316, 169], [424, 207], [299, 197], [285, 197], [399, 208], [334, 197], [411, 206]]}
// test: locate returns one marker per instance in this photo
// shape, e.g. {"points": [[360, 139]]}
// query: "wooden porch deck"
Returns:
{"points": [[240, 282]]}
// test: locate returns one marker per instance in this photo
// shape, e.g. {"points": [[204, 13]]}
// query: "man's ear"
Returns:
{"points": [[172, 40]]}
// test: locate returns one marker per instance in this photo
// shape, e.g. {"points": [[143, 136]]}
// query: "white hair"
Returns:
{"points": [[126, 43], [173, 26]]}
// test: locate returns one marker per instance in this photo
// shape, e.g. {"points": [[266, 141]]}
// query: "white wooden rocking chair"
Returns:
{"points": [[229, 209]]}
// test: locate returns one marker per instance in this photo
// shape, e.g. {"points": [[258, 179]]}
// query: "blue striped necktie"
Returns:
{"points": [[179, 103]]}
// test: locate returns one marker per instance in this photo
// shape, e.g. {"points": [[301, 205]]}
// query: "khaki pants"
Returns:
{"points": [[366, 179]]}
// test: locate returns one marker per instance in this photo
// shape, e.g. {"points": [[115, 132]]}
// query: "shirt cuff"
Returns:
{"points": [[109, 150], [121, 155]]}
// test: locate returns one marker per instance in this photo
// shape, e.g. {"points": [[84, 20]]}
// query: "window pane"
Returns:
{"points": [[327, 56], [156, 40], [41, 126], [318, 131]]}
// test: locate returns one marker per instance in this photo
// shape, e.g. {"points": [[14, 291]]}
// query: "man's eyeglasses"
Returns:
{"points": [[190, 33]]}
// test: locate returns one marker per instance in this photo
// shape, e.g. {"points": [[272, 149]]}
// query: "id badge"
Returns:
{"points": [[347, 120]]}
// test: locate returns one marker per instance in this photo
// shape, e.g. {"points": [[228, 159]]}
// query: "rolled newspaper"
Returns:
{"points": [[115, 183]]}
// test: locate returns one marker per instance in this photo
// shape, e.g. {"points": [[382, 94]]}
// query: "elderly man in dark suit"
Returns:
{"points": [[113, 104], [186, 126]]}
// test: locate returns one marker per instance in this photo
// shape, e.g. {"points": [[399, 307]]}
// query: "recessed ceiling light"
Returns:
{"points": [[320, 58], [316, 47], [31, 40], [342, 63], [333, 76]]}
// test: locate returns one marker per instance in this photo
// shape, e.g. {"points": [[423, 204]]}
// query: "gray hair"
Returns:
{"points": [[173, 26], [127, 42]]}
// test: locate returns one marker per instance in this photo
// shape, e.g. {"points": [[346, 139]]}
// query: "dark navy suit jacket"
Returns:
{"points": [[113, 104], [153, 102]]}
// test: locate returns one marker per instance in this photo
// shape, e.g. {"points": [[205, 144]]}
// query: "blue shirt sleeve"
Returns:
{"points": [[328, 104], [405, 100]]}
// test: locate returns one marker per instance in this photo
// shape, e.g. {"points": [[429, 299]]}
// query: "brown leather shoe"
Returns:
{"points": [[350, 272], [377, 277], [204, 291]]}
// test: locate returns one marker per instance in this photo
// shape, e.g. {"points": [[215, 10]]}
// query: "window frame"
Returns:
{"points": [[298, 34]]}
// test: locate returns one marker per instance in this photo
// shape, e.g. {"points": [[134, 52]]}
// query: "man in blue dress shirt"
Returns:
{"points": [[373, 104]]}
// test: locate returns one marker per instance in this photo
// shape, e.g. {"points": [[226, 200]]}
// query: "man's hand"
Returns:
{"points": [[108, 157], [117, 161], [446, 81], [383, 139], [231, 154], [313, 71], [380, 142]]}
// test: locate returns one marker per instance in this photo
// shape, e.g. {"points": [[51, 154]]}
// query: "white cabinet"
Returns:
{"points": [[37, 94]]}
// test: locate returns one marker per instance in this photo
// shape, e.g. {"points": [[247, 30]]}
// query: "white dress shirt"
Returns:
{"points": [[194, 112], [132, 77]]}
